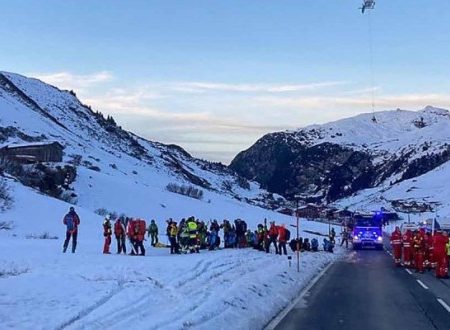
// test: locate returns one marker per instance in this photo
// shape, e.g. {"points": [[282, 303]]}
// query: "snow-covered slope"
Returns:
{"points": [[335, 160], [42, 288], [115, 169]]}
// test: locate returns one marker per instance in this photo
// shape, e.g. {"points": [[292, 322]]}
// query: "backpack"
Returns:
{"points": [[288, 235]]}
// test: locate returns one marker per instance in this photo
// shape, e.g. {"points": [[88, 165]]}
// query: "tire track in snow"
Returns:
{"points": [[85, 312]]}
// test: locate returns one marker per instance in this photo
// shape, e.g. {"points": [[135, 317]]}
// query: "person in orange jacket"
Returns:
{"points": [[140, 229], [429, 252], [273, 236], [407, 241], [396, 243], [282, 239], [107, 232], [119, 232]]}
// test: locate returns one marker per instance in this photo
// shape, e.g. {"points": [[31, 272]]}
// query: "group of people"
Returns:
{"points": [[421, 250], [191, 235]]}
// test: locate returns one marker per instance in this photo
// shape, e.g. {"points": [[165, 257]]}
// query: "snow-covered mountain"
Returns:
{"points": [[109, 167], [336, 160]]}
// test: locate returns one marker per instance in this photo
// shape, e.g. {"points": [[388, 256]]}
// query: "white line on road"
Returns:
{"points": [[273, 324], [447, 307], [408, 271], [422, 285]]}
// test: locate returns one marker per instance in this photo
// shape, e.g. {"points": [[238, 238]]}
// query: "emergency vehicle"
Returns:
{"points": [[367, 230]]}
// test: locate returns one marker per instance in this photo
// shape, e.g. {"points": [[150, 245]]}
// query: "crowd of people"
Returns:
{"points": [[420, 250], [192, 235]]}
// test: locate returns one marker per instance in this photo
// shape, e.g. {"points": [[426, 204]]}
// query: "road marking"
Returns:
{"points": [[422, 285], [442, 302], [408, 271], [274, 323]]}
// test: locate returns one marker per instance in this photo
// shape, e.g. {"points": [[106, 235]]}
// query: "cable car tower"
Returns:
{"points": [[366, 8]]}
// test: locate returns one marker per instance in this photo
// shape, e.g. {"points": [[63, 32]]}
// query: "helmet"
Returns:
{"points": [[71, 209], [108, 216]]}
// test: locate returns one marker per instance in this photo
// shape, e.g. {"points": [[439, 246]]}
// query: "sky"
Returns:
{"points": [[213, 76]]}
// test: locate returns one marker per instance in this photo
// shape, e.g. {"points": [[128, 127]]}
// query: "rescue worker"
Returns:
{"points": [[193, 235], [139, 236], [153, 232], [273, 235], [429, 255], [407, 241], [345, 236], [72, 221], [131, 235], [173, 233], [119, 232], [396, 243], [332, 236], [282, 239], [259, 238], [439, 241], [107, 232], [419, 249]]}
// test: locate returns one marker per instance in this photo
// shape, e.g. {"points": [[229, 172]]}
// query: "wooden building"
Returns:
{"points": [[34, 152], [309, 211]]}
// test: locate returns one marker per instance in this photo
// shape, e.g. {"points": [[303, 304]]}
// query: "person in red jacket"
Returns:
{"points": [[282, 239], [273, 235], [119, 232], [130, 233], [439, 241], [72, 221], [396, 243], [430, 262], [140, 229], [419, 250], [107, 232], [407, 241]]}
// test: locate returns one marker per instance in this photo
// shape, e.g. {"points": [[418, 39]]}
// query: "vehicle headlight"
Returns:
{"points": [[380, 238], [356, 238]]}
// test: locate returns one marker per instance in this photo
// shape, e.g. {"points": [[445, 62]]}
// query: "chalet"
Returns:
{"points": [[34, 152], [309, 211]]}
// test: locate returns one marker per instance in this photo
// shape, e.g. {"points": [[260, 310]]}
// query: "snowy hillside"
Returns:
{"points": [[115, 170], [106, 167], [42, 288], [335, 160]]}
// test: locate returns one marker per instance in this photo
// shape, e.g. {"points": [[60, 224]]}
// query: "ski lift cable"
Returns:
{"points": [[371, 62]]}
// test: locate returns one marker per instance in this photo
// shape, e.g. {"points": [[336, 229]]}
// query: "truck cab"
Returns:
{"points": [[367, 231]]}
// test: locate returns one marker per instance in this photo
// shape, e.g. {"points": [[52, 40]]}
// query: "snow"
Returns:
{"points": [[42, 288]]}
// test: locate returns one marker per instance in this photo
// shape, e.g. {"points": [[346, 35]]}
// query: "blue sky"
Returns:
{"points": [[213, 76]]}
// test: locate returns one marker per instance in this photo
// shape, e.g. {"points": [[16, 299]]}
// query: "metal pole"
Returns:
{"points": [[298, 242]]}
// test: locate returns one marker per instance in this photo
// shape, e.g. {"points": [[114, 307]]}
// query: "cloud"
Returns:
{"points": [[251, 88], [67, 80], [359, 102]]}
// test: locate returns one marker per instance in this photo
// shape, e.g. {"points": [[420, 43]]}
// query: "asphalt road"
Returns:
{"points": [[365, 291]]}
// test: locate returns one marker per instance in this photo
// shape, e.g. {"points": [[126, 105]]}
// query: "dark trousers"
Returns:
{"points": [[282, 245], [74, 241], [274, 241], [139, 245], [173, 245], [154, 239], [346, 242], [121, 247]]}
